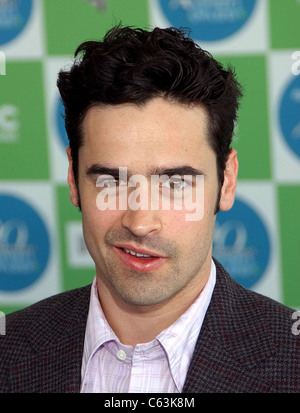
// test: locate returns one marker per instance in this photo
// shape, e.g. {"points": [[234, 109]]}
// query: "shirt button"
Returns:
{"points": [[121, 355]]}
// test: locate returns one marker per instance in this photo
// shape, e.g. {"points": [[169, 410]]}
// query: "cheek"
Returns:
{"points": [[176, 227], [193, 234], [173, 221], [102, 219], [97, 223], [92, 215]]}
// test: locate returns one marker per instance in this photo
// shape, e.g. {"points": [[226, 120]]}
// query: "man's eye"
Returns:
{"points": [[110, 183], [107, 182], [175, 183]]}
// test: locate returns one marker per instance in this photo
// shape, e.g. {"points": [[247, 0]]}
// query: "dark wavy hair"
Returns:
{"points": [[132, 65]]}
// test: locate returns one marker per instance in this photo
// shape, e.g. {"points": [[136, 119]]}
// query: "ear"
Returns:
{"points": [[74, 196], [230, 178]]}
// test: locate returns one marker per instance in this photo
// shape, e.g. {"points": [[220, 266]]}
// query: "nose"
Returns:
{"points": [[142, 222]]}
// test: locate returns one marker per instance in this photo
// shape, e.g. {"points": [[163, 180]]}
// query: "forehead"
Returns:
{"points": [[158, 132]]}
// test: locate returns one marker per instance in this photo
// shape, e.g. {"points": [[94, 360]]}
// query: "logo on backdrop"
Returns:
{"points": [[60, 123], [289, 115], [14, 15], [241, 243], [2, 64], [209, 20], [24, 244], [9, 123], [99, 4]]}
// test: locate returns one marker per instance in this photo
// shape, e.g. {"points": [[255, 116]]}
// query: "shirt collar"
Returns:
{"points": [[180, 338], [98, 331]]}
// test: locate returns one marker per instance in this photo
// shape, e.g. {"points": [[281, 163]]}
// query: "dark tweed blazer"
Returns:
{"points": [[245, 345]]}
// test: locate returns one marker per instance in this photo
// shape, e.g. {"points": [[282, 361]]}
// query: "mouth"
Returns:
{"points": [[139, 259]]}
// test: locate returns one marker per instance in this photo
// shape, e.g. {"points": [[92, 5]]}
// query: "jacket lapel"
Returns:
{"points": [[233, 339], [52, 361]]}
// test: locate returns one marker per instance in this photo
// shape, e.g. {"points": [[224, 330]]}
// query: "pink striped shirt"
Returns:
{"points": [[159, 366]]}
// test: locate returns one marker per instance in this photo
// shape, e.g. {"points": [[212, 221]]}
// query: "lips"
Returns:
{"points": [[139, 259]]}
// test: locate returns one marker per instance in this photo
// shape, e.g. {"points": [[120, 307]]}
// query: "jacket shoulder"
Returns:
{"points": [[252, 337], [247, 310], [40, 341], [52, 313]]}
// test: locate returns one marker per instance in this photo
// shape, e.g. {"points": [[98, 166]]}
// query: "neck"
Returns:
{"points": [[134, 324], [138, 324]]}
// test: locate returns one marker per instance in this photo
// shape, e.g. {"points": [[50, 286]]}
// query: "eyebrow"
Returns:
{"points": [[98, 169], [179, 170]]}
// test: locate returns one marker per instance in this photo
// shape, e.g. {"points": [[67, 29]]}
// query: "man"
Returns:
{"points": [[151, 112]]}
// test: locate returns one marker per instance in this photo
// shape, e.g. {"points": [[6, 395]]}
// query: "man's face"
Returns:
{"points": [[160, 138]]}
